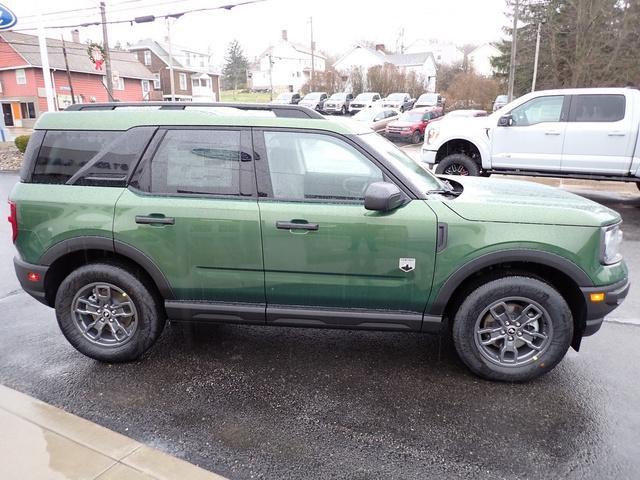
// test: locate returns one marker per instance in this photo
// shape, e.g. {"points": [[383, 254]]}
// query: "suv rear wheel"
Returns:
{"points": [[513, 329], [458, 164], [107, 313]]}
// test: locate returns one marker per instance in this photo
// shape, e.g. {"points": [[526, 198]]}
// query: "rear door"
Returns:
{"points": [[323, 251], [191, 208], [600, 135], [535, 138]]}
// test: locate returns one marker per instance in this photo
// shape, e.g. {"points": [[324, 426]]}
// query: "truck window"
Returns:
{"points": [[597, 108], [538, 110]]}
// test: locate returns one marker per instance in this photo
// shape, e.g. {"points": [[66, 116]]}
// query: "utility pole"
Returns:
{"points": [[313, 66], [66, 66], [44, 58], [270, 76], [535, 60], [514, 40], [172, 81], [105, 45]]}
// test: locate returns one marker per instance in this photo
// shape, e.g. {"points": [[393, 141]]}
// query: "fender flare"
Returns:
{"points": [[577, 274], [483, 148], [77, 244]]}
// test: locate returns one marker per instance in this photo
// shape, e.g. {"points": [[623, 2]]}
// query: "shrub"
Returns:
{"points": [[21, 142]]}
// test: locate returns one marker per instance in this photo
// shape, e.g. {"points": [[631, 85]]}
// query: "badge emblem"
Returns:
{"points": [[407, 264]]}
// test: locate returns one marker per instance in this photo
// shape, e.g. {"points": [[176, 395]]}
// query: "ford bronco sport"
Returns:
{"points": [[125, 217]]}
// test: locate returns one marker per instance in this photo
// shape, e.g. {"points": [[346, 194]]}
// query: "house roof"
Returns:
{"points": [[296, 46], [126, 64], [397, 59], [161, 49]]}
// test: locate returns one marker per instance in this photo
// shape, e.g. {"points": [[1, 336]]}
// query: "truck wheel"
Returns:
{"points": [[344, 110], [458, 164], [107, 313], [512, 329], [416, 137]]}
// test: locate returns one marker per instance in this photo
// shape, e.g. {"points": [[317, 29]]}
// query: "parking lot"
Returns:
{"points": [[254, 402]]}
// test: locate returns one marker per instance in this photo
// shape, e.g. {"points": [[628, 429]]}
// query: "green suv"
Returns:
{"points": [[128, 215]]}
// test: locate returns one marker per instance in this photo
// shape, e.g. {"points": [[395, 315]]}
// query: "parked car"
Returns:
{"points": [[124, 218], [466, 113], [338, 103], [430, 100], [401, 101], [287, 98], [364, 100], [572, 133], [501, 101], [377, 118], [410, 126], [314, 100]]}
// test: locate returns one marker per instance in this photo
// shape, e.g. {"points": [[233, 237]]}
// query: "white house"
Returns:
{"points": [[480, 59], [359, 56], [286, 66], [443, 52]]}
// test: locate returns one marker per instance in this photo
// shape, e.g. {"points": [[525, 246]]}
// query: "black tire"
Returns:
{"points": [[344, 110], [555, 324], [416, 137], [458, 164], [149, 314], [638, 185]]}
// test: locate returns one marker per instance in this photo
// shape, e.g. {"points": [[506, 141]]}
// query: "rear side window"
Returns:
{"points": [[597, 108], [64, 152]]}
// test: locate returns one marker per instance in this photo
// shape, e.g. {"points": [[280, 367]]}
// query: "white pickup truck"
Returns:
{"points": [[575, 133]]}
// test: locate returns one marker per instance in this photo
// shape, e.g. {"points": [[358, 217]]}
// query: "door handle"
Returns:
{"points": [[552, 132], [155, 219], [296, 225], [616, 134]]}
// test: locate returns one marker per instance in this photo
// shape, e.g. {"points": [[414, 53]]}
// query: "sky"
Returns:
{"points": [[337, 24]]}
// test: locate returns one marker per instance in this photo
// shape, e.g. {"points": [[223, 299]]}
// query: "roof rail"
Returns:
{"points": [[285, 111]]}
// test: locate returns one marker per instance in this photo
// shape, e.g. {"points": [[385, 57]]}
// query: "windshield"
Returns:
{"points": [[428, 99], [396, 96], [365, 115], [411, 116], [285, 96], [423, 179], [312, 96], [365, 96], [338, 96], [502, 99]]}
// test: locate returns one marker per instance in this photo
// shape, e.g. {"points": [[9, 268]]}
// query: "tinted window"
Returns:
{"points": [[63, 153], [197, 161], [597, 108], [538, 110], [309, 166]]}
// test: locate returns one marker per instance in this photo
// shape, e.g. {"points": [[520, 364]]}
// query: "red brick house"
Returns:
{"points": [[194, 77], [22, 93]]}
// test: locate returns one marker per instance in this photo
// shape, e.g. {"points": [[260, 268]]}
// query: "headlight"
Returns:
{"points": [[610, 247], [432, 134]]}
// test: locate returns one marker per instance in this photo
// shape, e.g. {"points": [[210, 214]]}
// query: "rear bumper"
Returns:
{"points": [[33, 288], [614, 294]]}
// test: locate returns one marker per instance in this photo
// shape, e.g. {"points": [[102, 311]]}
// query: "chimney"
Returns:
{"points": [[380, 47], [284, 36], [75, 35]]}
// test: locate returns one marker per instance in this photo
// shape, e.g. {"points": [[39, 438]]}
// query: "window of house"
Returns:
{"points": [[28, 110], [21, 76], [156, 81], [183, 81], [147, 57], [145, 86]]}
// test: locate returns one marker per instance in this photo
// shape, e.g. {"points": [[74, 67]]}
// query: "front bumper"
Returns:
{"points": [[333, 108], [428, 156], [33, 288], [398, 135], [614, 294]]}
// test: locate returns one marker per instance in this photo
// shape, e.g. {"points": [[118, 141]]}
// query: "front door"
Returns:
{"points": [[191, 208], [7, 115], [535, 138], [323, 251]]}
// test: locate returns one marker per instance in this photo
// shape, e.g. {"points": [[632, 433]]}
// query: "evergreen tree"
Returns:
{"points": [[234, 73]]}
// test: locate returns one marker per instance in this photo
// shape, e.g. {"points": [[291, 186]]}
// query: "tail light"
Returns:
{"points": [[13, 220]]}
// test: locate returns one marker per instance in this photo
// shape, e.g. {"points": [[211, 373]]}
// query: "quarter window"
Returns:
{"points": [[597, 108], [538, 110], [309, 166], [197, 162]]}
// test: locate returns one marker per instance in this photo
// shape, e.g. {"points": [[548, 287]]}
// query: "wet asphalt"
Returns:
{"points": [[258, 402]]}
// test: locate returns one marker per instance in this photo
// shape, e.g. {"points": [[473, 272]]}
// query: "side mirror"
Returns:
{"points": [[505, 121], [383, 197]]}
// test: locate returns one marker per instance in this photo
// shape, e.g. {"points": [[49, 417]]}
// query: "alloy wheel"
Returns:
{"points": [[456, 169]]}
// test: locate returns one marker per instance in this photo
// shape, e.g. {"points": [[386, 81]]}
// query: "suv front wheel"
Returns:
{"points": [[107, 313], [513, 329]]}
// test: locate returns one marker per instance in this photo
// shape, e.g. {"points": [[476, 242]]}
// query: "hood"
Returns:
{"points": [[501, 200], [398, 123], [309, 102]]}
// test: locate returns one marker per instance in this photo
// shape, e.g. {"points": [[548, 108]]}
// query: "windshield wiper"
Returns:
{"points": [[444, 191]]}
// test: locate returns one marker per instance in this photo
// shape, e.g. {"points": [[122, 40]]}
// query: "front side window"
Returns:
{"points": [[597, 108], [538, 110], [310, 166], [197, 162]]}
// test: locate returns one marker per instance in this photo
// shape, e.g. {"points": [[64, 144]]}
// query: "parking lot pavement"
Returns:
{"points": [[258, 402]]}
